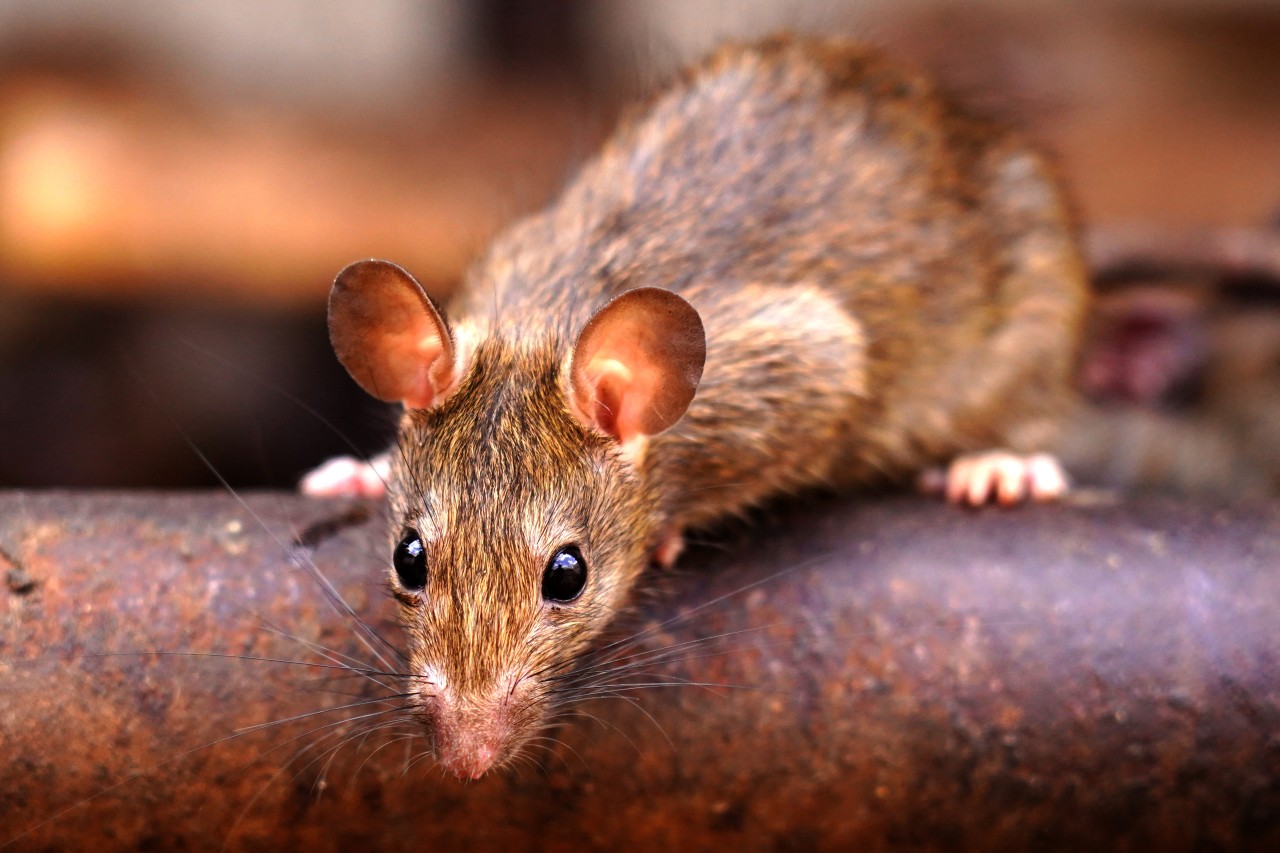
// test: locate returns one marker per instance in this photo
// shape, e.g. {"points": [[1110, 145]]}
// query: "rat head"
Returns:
{"points": [[522, 515]]}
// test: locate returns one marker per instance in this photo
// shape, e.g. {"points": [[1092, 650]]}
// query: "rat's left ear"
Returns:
{"points": [[637, 364]]}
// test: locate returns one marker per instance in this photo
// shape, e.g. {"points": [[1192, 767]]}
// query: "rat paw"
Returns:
{"points": [[669, 548], [348, 477], [998, 476]]}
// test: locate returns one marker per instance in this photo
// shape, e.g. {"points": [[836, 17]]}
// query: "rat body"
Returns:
{"points": [[797, 266]]}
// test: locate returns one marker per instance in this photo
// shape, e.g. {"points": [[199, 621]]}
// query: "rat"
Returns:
{"points": [[798, 266], [1180, 377]]}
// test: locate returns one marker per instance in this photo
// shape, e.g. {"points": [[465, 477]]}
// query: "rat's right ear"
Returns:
{"points": [[637, 365], [389, 335]]}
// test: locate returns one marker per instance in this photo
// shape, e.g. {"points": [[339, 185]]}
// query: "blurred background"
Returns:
{"points": [[179, 182]]}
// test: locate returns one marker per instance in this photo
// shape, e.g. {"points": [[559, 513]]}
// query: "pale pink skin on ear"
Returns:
{"points": [[389, 336], [637, 364], [397, 346]]}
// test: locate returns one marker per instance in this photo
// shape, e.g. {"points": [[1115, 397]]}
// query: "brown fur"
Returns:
{"points": [[885, 281]]}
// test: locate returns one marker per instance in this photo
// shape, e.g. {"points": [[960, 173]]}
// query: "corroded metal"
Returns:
{"points": [[1098, 675]]}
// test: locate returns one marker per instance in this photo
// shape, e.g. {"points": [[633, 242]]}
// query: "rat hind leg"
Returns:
{"points": [[998, 476]]}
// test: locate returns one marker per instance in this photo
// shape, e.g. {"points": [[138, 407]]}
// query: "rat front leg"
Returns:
{"points": [[1001, 476], [348, 477]]}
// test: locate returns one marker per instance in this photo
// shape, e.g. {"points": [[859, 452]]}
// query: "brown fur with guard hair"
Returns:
{"points": [[885, 282]]}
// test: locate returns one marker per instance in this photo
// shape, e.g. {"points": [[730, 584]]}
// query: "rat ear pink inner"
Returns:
{"points": [[637, 364], [1145, 344], [388, 334]]}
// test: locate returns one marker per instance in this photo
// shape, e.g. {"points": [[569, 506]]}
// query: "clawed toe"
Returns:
{"points": [[995, 476]]}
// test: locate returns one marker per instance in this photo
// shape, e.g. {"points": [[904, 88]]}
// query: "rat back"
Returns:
{"points": [[885, 280]]}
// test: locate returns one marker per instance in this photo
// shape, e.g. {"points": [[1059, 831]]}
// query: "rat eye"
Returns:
{"points": [[565, 576], [410, 560]]}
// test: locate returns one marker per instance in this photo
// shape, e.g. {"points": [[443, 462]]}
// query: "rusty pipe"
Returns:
{"points": [[1097, 675]]}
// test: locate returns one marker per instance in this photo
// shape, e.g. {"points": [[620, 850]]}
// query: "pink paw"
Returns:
{"points": [[1006, 478], [669, 548], [346, 476]]}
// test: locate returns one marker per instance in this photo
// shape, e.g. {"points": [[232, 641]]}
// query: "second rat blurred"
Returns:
{"points": [[1182, 378], [798, 266]]}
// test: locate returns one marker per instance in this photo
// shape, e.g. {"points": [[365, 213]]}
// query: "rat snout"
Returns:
{"points": [[466, 753], [471, 733]]}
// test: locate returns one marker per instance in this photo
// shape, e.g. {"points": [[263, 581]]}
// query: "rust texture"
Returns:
{"points": [[1099, 675]]}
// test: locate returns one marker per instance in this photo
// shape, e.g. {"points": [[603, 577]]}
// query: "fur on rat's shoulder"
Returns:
{"points": [[798, 265]]}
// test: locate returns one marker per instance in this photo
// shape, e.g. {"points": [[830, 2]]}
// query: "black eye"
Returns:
{"points": [[410, 560], [565, 576]]}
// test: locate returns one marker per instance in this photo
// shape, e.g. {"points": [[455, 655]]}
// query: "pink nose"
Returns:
{"points": [[471, 732], [466, 761], [468, 743]]}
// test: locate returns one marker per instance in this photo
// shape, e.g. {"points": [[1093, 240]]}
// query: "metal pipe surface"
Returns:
{"points": [[1095, 675]]}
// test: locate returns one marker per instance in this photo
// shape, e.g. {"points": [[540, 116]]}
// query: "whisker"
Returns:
{"points": [[266, 786], [578, 712], [65, 658], [337, 657], [279, 391], [365, 632], [309, 714], [116, 786], [548, 739], [804, 565], [650, 655], [391, 741], [639, 707]]}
